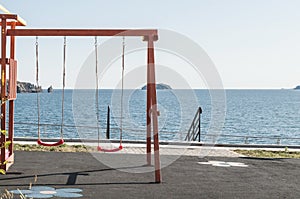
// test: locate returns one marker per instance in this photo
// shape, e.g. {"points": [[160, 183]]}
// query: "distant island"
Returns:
{"points": [[50, 89], [297, 88], [159, 87], [26, 87]]}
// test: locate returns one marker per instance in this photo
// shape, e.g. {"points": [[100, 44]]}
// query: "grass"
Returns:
{"points": [[82, 148], [269, 154], [61, 148], [6, 195]]}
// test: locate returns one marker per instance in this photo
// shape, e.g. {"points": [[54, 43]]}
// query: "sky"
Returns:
{"points": [[254, 44]]}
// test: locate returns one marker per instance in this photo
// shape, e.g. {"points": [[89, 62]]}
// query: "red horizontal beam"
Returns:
{"points": [[10, 23], [19, 20], [9, 16], [82, 32]]}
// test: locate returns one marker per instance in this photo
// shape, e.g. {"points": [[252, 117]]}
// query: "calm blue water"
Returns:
{"points": [[249, 113]]}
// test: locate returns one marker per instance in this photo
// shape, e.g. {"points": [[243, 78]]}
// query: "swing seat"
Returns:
{"points": [[60, 142], [110, 150]]}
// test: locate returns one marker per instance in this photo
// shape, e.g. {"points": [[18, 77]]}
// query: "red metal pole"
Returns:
{"points": [[11, 102], [82, 32], [153, 109], [3, 90], [148, 113]]}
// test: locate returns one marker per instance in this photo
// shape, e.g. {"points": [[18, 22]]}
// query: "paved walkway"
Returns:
{"points": [[169, 149], [179, 150], [116, 175]]}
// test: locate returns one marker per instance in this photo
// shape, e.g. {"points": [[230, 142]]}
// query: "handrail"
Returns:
{"points": [[195, 128], [246, 138], [86, 126]]}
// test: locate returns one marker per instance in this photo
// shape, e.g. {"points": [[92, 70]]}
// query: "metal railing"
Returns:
{"points": [[194, 131], [247, 139]]}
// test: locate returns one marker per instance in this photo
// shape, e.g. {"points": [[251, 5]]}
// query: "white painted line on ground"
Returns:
{"points": [[224, 164]]}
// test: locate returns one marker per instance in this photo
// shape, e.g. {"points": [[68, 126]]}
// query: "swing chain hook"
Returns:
{"points": [[36, 40], [96, 41]]}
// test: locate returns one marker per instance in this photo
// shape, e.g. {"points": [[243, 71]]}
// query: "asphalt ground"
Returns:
{"points": [[111, 175]]}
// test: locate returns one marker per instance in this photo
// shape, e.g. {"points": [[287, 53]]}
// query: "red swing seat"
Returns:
{"points": [[99, 148], [60, 142]]}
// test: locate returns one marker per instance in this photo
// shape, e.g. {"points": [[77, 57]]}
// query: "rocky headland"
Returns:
{"points": [[26, 87]]}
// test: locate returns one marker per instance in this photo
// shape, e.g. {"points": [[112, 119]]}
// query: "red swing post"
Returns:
{"points": [[6, 137]]}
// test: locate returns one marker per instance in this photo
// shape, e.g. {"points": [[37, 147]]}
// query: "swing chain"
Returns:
{"points": [[97, 91], [96, 41], [37, 60], [122, 89], [37, 82], [63, 91]]}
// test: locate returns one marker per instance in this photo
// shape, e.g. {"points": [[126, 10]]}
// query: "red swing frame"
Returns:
{"points": [[149, 35]]}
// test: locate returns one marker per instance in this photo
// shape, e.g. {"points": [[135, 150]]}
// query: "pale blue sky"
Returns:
{"points": [[253, 43]]}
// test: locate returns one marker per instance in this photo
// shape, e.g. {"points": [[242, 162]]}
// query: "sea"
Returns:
{"points": [[228, 116]]}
